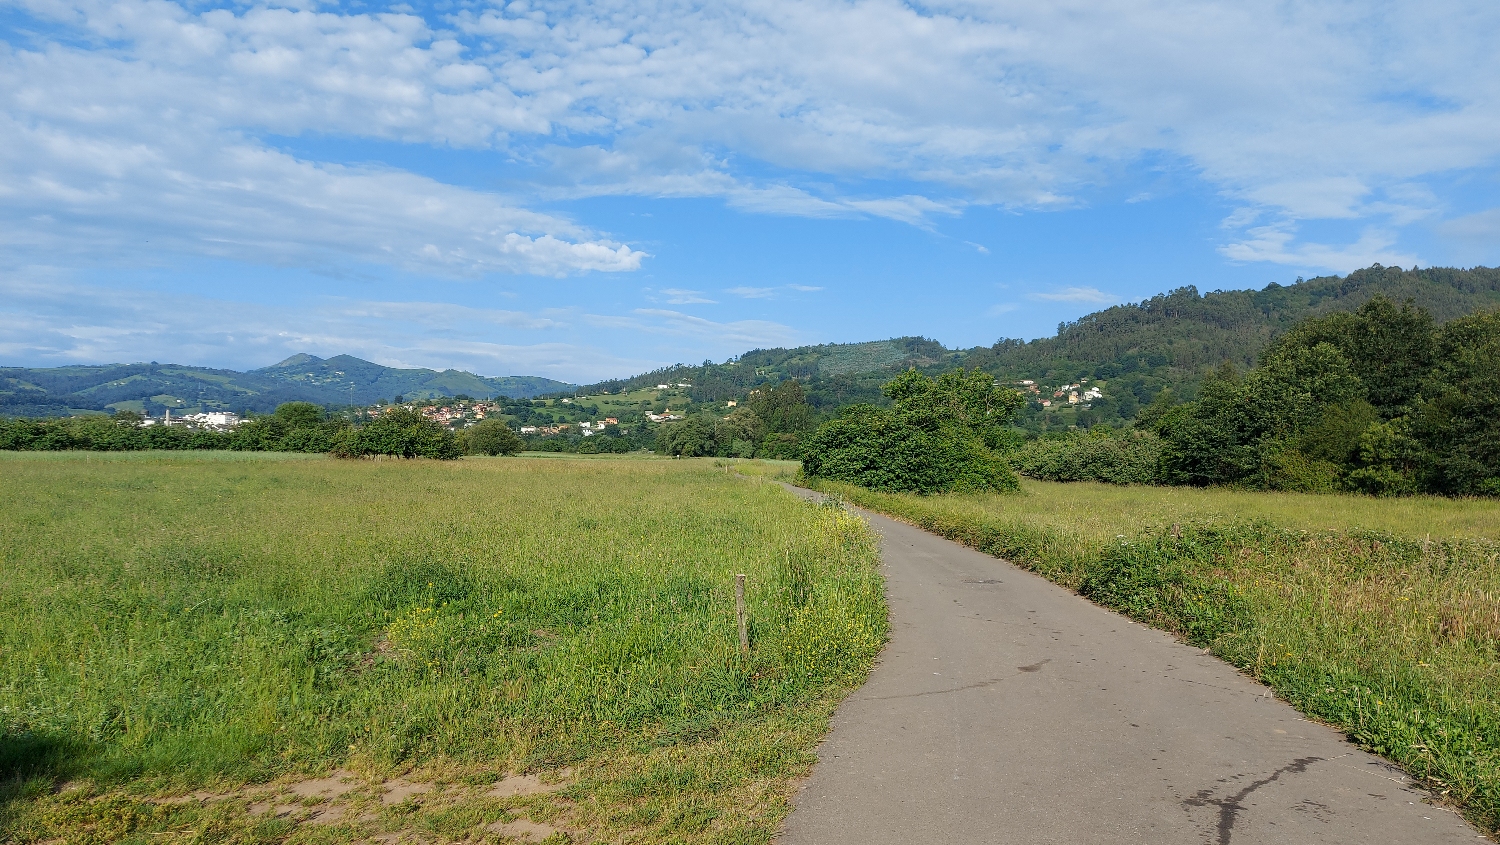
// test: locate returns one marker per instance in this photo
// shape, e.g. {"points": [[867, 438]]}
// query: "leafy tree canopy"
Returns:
{"points": [[490, 437], [400, 432], [938, 437]]}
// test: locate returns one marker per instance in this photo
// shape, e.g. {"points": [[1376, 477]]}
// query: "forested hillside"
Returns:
{"points": [[834, 374], [1171, 340], [153, 388], [1130, 352]]}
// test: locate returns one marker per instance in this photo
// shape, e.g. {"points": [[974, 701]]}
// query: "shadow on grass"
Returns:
{"points": [[32, 765]]}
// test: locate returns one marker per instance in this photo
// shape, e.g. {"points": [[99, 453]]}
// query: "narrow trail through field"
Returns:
{"points": [[1008, 710]]}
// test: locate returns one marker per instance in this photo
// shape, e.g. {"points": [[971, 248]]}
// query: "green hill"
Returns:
{"points": [[1131, 352], [373, 381], [152, 388], [1170, 340]]}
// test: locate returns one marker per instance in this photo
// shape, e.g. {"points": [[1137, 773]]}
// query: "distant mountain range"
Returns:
{"points": [[153, 388], [1139, 349]]}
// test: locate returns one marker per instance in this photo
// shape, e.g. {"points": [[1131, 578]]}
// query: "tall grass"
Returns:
{"points": [[1340, 604], [185, 622]]}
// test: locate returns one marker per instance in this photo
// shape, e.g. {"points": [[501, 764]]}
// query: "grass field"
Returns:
{"points": [[1380, 617], [461, 651]]}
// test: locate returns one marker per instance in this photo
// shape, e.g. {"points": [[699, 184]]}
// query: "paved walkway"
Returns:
{"points": [[1008, 710]]}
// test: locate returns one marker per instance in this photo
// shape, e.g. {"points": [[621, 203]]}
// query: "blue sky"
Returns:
{"points": [[592, 190]]}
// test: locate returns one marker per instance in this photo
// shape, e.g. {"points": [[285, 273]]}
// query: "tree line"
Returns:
{"points": [[293, 427], [1383, 401]]}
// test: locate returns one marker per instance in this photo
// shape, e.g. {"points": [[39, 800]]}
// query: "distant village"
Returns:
{"points": [[1077, 393], [462, 413], [211, 420]]}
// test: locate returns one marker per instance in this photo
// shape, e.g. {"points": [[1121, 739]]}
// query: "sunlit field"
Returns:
{"points": [[250, 648]]}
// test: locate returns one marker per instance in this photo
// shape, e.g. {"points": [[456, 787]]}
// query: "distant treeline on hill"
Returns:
{"points": [[151, 389], [295, 427], [1382, 401], [1170, 341]]}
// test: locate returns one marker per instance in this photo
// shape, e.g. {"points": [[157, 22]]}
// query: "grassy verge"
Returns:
{"points": [[188, 639], [1388, 635]]}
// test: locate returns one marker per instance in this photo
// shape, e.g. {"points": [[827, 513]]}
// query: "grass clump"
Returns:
{"points": [[1390, 637], [178, 625]]}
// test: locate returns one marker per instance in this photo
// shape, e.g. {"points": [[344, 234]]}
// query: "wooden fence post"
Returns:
{"points": [[739, 613]]}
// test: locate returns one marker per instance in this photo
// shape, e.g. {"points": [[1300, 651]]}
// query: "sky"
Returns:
{"points": [[592, 190]]}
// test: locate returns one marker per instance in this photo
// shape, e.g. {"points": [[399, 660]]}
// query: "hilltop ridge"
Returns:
{"points": [[153, 388], [1129, 352], [1136, 349]]}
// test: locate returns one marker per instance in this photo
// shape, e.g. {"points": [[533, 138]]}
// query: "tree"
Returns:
{"points": [[736, 435], [298, 414], [938, 437], [401, 432], [782, 408], [1379, 401], [962, 399], [1459, 425], [689, 438], [490, 437]]}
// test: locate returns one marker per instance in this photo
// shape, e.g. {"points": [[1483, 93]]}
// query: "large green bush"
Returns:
{"points": [[490, 437], [294, 427], [941, 435], [399, 432], [1380, 401], [1099, 454]]}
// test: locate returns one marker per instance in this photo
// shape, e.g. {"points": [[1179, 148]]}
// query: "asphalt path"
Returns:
{"points": [[1006, 709]]}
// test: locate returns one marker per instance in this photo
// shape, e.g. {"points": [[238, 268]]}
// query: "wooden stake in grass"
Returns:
{"points": [[739, 613]]}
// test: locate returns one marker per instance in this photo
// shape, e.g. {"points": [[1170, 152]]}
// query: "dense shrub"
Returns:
{"points": [[1099, 454], [400, 432], [294, 427], [1380, 401], [737, 435], [940, 436], [490, 437]]}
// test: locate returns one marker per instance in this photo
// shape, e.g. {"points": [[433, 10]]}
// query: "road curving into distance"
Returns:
{"points": [[1006, 709]]}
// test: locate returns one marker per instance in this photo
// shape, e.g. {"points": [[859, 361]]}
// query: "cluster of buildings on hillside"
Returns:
{"points": [[453, 415], [1072, 394], [587, 428], [213, 420]]}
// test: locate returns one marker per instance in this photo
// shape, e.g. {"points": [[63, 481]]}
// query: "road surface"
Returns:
{"points": [[1006, 709]]}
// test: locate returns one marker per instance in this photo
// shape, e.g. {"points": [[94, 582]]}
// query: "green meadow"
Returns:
{"points": [[1380, 617], [209, 647]]}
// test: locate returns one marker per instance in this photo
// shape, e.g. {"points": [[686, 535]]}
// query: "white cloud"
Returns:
{"points": [[111, 155], [733, 335], [220, 196], [1481, 227], [825, 108], [748, 292], [752, 293], [47, 320], [1277, 244], [1077, 294], [680, 296]]}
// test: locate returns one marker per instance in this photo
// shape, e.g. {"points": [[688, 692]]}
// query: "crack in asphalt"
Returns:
{"points": [[1035, 667], [1229, 808]]}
